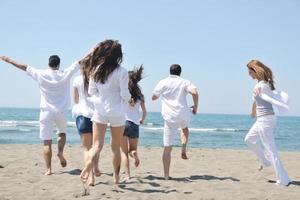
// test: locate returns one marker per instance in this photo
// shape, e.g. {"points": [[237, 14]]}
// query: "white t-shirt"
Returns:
{"points": [[54, 86], [133, 113], [173, 91], [85, 106], [113, 96]]}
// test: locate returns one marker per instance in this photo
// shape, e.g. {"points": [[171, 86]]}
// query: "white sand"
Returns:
{"points": [[208, 174]]}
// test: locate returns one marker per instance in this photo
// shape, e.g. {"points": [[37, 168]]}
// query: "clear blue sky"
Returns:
{"points": [[212, 41]]}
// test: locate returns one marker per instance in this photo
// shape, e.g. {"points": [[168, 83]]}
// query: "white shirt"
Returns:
{"points": [[133, 113], [113, 95], [85, 106], [173, 91], [54, 86]]}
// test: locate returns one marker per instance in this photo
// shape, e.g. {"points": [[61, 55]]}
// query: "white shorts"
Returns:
{"points": [[114, 121], [48, 119], [170, 130]]}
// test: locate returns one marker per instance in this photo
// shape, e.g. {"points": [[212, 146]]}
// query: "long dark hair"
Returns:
{"points": [[105, 58], [135, 76]]}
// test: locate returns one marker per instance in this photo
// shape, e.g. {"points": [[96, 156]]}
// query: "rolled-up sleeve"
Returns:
{"points": [[158, 89], [190, 87], [75, 66], [33, 73]]}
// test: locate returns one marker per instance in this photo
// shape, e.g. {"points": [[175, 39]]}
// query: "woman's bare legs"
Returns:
{"points": [[115, 143], [133, 143], [98, 141], [124, 154]]}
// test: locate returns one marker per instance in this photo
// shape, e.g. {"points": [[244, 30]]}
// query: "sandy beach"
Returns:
{"points": [[208, 174]]}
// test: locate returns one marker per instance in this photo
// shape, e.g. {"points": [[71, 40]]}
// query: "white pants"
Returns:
{"points": [[170, 130], [262, 130]]}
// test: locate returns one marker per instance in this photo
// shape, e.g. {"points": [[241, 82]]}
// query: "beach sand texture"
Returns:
{"points": [[207, 174]]}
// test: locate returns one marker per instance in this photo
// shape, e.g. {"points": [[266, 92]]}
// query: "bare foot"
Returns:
{"points": [[260, 168], [116, 178], [85, 173], [48, 172], [62, 160], [136, 158], [91, 180], [97, 172], [184, 156], [168, 178]]}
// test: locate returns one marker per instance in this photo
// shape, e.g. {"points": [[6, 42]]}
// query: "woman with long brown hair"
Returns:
{"points": [[133, 120], [263, 128], [109, 84]]}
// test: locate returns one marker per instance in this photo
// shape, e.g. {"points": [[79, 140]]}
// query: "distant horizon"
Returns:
{"points": [[149, 111]]}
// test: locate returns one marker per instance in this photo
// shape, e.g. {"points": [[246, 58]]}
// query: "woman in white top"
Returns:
{"points": [[83, 111], [262, 130], [133, 120], [109, 84]]}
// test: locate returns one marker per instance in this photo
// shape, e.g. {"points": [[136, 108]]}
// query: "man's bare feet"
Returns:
{"points": [[62, 160], [48, 172], [135, 157], [183, 155]]}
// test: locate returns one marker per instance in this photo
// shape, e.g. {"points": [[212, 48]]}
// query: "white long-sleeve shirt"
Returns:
{"points": [[85, 106], [173, 91], [113, 96], [54, 86]]}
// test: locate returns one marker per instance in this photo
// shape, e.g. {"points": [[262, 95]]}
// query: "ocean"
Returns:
{"points": [[21, 126]]}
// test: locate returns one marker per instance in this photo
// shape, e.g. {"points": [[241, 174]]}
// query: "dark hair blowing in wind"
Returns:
{"points": [[102, 61], [135, 76]]}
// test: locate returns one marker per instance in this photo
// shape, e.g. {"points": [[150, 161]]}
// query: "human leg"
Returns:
{"points": [[170, 130], [124, 155], [47, 151], [133, 143], [268, 142], [252, 140], [115, 142], [61, 141], [98, 141], [184, 140]]}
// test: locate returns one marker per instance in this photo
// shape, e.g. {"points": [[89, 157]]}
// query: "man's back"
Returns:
{"points": [[54, 86], [173, 91]]}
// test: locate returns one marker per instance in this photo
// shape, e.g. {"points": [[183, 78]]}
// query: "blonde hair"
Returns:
{"points": [[262, 72]]}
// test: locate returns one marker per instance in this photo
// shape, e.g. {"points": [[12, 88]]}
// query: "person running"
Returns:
{"points": [[54, 87], [133, 120], [263, 128], [175, 111], [83, 109], [109, 84]]}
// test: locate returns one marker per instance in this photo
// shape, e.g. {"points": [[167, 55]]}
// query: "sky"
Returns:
{"points": [[212, 41]]}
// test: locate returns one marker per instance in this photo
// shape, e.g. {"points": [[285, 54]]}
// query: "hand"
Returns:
{"points": [[253, 115], [256, 91], [141, 121], [4, 58], [194, 109], [131, 102]]}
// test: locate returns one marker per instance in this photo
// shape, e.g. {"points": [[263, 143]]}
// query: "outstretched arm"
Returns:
{"points": [[195, 96], [14, 63]]}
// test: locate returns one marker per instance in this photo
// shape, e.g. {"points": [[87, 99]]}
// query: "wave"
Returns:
{"points": [[198, 129], [27, 124]]}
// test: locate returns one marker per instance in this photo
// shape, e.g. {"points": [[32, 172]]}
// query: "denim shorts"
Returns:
{"points": [[131, 130], [84, 125]]}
